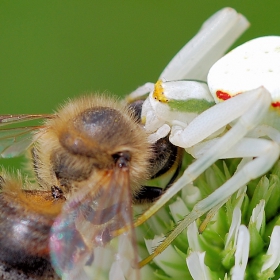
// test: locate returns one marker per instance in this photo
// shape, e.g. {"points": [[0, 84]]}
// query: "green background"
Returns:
{"points": [[52, 50]]}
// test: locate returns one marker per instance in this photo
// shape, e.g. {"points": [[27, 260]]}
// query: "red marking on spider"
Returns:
{"points": [[276, 104], [222, 95]]}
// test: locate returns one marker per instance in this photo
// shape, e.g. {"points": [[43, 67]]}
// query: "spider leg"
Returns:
{"points": [[251, 107], [267, 155], [248, 148], [217, 34], [253, 169], [210, 215]]}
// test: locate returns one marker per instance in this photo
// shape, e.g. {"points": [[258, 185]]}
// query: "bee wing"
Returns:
{"points": [[10, 119], [82, 237], [13, 141]]}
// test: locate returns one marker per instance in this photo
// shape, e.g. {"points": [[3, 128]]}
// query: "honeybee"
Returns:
{"points": [[91, 160]]}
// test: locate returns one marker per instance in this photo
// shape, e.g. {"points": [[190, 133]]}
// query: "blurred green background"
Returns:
{"points": [[52, 50]]}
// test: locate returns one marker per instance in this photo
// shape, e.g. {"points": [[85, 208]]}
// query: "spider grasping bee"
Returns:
{"points": [[95, 154], [236, 115]]}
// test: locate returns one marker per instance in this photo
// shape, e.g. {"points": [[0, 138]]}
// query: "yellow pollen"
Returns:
{"points": [[158, 93]]}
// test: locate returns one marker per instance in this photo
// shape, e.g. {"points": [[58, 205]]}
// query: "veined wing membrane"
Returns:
{"points": [[10, 119], [14, 141], [82, 236]]}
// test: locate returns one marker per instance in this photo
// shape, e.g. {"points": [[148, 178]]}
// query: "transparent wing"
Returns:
{"points": [[14, 141], [82, 239], [10, 119]]}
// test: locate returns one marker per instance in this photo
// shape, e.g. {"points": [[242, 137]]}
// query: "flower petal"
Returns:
{"points": [[241, 253], [197, 268], [273, 251]]}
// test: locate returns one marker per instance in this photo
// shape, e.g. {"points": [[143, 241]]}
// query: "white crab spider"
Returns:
{"points": [[250, 74]]}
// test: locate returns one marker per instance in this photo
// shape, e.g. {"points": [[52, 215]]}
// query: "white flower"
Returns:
{"points": [[241, 254], [198, 270], [273, 251]]}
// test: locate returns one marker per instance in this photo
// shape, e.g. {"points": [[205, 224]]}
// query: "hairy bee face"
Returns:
{"points": [[84, 141]]}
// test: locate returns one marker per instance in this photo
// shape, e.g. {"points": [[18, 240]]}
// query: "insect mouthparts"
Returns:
{"points": [[122, 159]]}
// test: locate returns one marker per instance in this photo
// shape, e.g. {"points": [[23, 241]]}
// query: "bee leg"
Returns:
{"points": [[147, 195]]}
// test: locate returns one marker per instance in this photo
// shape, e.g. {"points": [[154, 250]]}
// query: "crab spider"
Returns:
{"points": [[194, 60], [240, 105]]}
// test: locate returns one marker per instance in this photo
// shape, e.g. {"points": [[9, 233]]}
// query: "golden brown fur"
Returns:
{"points": [[130, 137]]}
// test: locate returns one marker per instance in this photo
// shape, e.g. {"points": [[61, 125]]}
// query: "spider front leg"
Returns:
{"points": [[205, 125], [267, 153], [248, 109]]}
